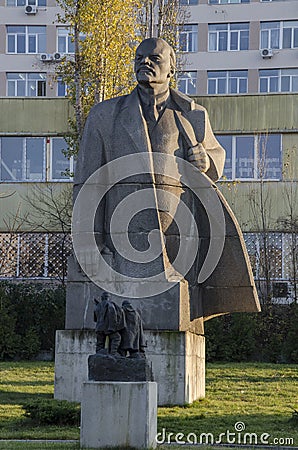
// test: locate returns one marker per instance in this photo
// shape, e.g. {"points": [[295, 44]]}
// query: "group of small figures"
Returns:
{"points": [[123, 327]]}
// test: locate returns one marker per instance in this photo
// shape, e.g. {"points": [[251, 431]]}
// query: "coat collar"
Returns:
{"points": [[132, 101], [133, 121]]}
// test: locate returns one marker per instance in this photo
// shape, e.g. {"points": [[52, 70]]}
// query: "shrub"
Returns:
{"points": [[53, 412], [270, 336], [9, 340], [30, 313]]}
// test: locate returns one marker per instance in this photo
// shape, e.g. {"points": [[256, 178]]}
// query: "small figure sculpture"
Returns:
{"points": [[132, 336], [110, 320]]}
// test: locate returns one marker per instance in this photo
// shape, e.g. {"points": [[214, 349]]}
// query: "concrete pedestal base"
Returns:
{"points": [[116, 414], [177, 360]]}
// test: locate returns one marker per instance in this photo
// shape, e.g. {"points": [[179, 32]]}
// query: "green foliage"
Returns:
{"points": [[294, 418], [29, 316], [105, 36], [9, 341], [270, 336], [52, 412]]}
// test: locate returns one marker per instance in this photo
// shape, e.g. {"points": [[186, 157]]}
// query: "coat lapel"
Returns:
{"points": [[131, 117]]}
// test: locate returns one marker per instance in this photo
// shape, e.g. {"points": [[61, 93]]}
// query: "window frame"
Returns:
{"points": [[228, 77], [28, 2], [229, 31], [256, 157], [50, 164], [191, 36], [227, 2], [28, 35], [280, 75], [27, 82], [24, 161], [188, 2], [47, 166], [67, 39], [282, 25], [183, 76]]}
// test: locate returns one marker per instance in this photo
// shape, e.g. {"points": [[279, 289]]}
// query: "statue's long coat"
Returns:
{"points": [[115, 128], [109, 317], [132, 336]]}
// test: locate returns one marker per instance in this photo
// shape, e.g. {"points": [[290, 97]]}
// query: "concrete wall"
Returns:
{"points": [[252, 113], [243, 196], [228, 114], [34, 116], [14, 205], [177, 360]]}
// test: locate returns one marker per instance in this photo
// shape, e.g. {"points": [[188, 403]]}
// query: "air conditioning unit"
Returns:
{"points": [[45, 57], [30, 9], [266, 53], [57, 57], [280, 289]]}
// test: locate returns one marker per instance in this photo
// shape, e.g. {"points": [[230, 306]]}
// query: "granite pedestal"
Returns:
{"points": [[177, 360], [119, 414]]}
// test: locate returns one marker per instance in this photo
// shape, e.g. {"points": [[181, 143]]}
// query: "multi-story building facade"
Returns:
{"points": [[32, 43], [240, 60], [240, 47]]}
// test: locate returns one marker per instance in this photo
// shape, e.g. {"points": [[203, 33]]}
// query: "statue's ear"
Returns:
{"points": [[96, 301]]}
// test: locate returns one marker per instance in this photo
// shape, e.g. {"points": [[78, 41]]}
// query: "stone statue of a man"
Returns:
{"points": [[132, 336], [155, 119], [110, 321]]}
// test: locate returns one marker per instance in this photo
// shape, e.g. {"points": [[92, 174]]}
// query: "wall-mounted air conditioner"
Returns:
{"points": [[45, 57], [57, 57], [266, 53], [30, 9]]}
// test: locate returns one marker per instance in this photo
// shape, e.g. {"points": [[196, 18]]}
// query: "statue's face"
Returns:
{"points": [[153, 63]]}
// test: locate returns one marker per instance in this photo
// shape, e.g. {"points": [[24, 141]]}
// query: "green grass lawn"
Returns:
{"points": [[259, 395]]}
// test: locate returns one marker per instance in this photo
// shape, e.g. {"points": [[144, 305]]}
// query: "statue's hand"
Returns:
{"points": [[198, 157]]}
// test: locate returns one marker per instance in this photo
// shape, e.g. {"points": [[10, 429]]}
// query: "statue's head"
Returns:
{"points": [[154, 62], [127, 305], [105, 296]]}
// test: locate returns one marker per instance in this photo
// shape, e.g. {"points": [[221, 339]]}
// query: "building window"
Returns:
{"points": [[61, 88], [23, 39], [277, 35], [290, 34], [189, 2], [188, 38], [252, 157], [227, 82], [26, 2], [224, 2], [22, 159], [26, 84], [187, 82], [228, 36], [61, 166], [278, 80], [34, 255], [65, 43]]}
